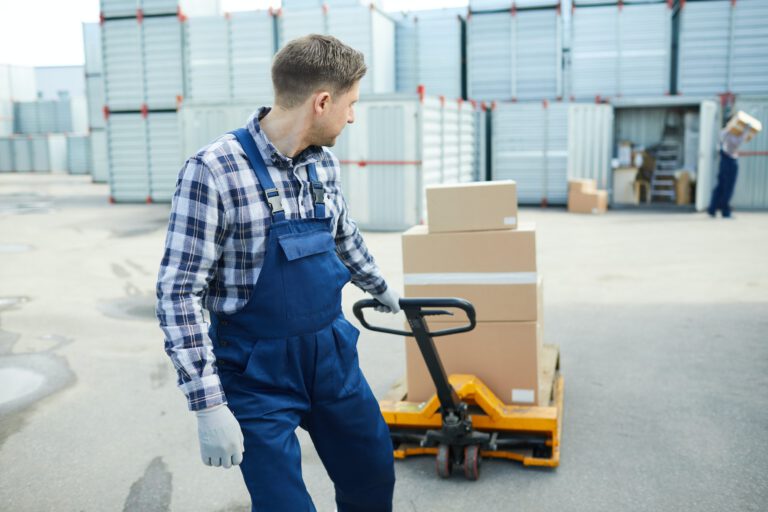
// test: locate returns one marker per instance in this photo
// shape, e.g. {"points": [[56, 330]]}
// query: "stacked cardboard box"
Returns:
{"points": [[583, 197], [742, 121], [473, 248]]}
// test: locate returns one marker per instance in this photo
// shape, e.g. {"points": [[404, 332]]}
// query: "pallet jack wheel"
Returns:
{"points": [[443, 462], [472, 462]]}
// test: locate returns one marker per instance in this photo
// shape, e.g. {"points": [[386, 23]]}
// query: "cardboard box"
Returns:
{"points": [[504, 355], [683, 187], [588, 202], [582, 185], [494, 270], [739, 122], [475, 206]]}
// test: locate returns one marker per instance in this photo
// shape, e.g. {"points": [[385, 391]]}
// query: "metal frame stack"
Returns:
{"points": [[94, 90], [142, 49]]}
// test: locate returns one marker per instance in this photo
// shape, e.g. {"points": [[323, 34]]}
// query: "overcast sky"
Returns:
{"points": [[49, 33]]}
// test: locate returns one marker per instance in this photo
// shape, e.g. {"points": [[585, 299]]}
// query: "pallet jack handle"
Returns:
{"points": [[452, 408]]}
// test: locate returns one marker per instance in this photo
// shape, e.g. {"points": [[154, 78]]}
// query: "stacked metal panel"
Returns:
{"points": [[49, 116], [515, 55], [49, 153], [126, 8], [128, 157], [506, 5], [398, 145], [78, 154], [229, 57], [164, 151], [203, 122], [252, 46], [22, 153], [621, 51], [163, 68], [115, 8], [6, 154], [530, 145], [123, 66], [99, 163], [362, 27], [438, 51]]}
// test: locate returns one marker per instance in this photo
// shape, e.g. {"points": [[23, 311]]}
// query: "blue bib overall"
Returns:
{"points": [[289, 359]]}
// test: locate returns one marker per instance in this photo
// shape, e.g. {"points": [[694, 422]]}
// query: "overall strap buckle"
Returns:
{"points": [[273, 199], [318, 192]]}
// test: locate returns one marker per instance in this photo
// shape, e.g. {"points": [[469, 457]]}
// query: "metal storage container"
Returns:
{"points": [[99, 164], [722, 47], [165, 157], [406, 60], [530, 145], [190, 8], [6, 154], [296, 23], [113, 8], [207, 54], [438, 51], [123, 64], [163, 67], [749, 64], [203, 122], [515, 55], [397, 146], [22, 153], [621, 51], [373, 33], [6, 117], [752, 184], [49, 153], [26, 117], [92, 48], [78, 154], [128, 157], [506, 5], [94, 86], [252, 43]]}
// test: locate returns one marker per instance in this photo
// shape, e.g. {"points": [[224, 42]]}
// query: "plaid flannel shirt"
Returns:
{"points": [[214, 248]]}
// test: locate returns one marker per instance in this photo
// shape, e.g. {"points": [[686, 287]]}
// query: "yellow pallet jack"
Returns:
{"points": [[464, 421]]}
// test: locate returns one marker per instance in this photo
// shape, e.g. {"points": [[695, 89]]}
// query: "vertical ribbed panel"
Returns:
{"points": [[123, 64], [94, 87], [163, 68], [438, 49], [78, 154], [128, 157], [537, 55], [489, 56], [6, 154], [165, 158], [99, 157], [92, 48], [252, 49], [752, 183], [406, 58], [703, 48], [749, 60], [646, 38], [590, 142], [207, 53], [22, 154], [595, 52]]}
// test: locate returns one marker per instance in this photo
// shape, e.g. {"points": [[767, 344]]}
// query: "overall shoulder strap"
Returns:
{"points": [[253, 155]]}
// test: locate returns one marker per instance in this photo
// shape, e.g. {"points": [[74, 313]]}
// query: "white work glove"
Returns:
{"points": [[221, 440], [390, 300]]}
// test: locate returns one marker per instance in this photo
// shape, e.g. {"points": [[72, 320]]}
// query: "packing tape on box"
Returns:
{"points": [[471, 278]]}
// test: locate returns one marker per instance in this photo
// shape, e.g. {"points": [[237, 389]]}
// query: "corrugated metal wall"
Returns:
{"points": [[6, 154], [590, 142], [123, 66], [99, 157], [128, 157], [621, 51], [530, 145], [722, 47], [165, 156], [252, 43], [207, 52], [515, 55], [78, 154], [752, 182]]}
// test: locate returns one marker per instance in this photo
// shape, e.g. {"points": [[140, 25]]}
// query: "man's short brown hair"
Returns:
{"points": [[309, 63]]}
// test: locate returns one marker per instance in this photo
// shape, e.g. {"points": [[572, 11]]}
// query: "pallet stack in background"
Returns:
{"points": [[474, 248]]}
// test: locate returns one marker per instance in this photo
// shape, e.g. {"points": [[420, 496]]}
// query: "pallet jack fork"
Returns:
{"points": [[465, 421]]}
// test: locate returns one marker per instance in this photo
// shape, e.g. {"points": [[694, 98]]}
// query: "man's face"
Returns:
{"points": [[339, 111]]}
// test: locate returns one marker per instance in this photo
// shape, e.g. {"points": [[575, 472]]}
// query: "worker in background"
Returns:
{"points": [[729, 169], [260, 236]]}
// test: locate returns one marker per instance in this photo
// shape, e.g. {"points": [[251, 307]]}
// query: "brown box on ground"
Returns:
{"points": [[588, 202], [494, 270], [582, 185], [475, 206], [504, 355], [683, 188]]}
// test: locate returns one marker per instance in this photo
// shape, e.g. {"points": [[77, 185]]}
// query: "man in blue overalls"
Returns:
{"points": [[728, 172], [259, 237]]}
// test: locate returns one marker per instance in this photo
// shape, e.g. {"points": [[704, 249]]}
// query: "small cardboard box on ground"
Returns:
{"points": [[683, 187], [583, 197], [495, 270], [504, 355], [477, 206]]}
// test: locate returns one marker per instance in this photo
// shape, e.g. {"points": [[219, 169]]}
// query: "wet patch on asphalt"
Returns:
{"points": [[161, 375], [151, 492], [16, 204], [133, 307]]}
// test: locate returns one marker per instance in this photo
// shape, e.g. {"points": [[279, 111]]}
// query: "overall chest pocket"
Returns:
{"points": [[313, 275]]}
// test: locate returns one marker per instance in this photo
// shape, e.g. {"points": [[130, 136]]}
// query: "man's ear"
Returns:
{"points": [[322, 102]]}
